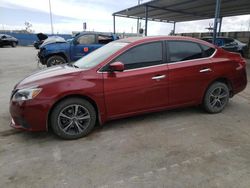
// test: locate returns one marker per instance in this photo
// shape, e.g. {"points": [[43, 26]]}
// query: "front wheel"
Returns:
{"points": [[216, 97], [73, 118], [13, 44], [55, 60]]}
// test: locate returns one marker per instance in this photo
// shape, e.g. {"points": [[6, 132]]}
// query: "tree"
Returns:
{"points": [[28, 26]]}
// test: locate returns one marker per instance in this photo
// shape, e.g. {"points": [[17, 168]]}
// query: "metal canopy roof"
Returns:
{"points": [[185, 10]]}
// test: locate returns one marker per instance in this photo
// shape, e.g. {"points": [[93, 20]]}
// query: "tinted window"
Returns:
{"points": [[228, 40], [86, 39], [181, 51], [208, 51], [142, 56]]}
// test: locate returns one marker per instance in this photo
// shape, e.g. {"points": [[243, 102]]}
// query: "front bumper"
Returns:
{"points": [[29, 115], [42, 59]]}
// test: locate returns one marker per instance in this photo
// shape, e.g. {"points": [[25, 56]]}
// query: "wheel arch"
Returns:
{"points": [[73, 96], [222, 80], [62, 54]]}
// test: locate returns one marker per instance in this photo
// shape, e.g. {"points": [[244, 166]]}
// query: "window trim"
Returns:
{"points": [[163, 62], [177, 62]]}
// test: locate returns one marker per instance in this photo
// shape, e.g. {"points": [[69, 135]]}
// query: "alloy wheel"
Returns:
{"points": [[218, 98], [74, 119]]}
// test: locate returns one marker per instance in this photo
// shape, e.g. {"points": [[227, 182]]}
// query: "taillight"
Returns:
{"points": [[241, 63]]}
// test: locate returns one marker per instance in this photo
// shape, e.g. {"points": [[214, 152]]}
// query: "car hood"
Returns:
{"points": [[53, 39], [48, 75], [56, 46]]}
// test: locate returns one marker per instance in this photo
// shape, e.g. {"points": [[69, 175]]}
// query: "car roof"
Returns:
{"points": [[158, 38]]}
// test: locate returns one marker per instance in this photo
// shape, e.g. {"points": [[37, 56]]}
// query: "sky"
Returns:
{"points": [[69, 15]]}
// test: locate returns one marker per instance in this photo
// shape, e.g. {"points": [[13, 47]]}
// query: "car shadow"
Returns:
{"points": [[148, 117], [111, 125]]}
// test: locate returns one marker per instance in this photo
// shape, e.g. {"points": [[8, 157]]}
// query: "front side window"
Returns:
{"points": [[86, 39], [183, 50], [142, 56]]}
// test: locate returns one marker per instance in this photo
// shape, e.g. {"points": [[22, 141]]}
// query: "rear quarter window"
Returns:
{"points": [[208, 51]]}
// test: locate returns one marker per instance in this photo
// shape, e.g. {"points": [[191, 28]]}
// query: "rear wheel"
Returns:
{"points": [[55, 60], [73, 118], [216, 97]]}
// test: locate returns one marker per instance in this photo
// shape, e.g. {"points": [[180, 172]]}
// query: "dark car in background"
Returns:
{"points": [[55, 51], [229, 44], [41, 38], [7, 40]]}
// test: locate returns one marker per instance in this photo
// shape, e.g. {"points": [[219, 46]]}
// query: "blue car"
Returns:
{"points": [[56, 50]]}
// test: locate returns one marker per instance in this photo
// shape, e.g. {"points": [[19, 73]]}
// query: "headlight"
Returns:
{"points": [[26, 94]]}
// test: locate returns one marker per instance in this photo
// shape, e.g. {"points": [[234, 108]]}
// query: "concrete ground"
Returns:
{"points": [[175, 149]]}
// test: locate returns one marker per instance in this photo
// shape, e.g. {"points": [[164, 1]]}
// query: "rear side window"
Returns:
{"points": [[208, 51], [104, 39], [228, 40], [182, 51], [142, 56]]}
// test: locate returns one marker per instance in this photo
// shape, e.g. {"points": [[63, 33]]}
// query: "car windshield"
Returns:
{"points": [[99, 55]]}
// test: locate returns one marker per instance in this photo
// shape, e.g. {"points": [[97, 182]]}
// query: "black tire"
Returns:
{"points": [[55, 60], [13, 44], [216, 97], [69, 123]]}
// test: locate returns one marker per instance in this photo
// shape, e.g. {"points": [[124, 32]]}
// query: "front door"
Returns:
{"points": [[83, 45], [142, 86]]}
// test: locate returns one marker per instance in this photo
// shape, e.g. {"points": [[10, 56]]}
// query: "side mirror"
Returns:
{"points": [[116, 66], [74, 41]]}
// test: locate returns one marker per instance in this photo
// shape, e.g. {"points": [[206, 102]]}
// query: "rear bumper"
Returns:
{"points": [[239, 82]]}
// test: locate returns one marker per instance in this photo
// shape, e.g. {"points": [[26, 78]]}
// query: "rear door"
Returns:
{"points": [[142, 86], [190, 71]]}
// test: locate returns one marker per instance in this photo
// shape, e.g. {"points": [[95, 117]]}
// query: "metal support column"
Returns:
{"points": [[216, 19], [146, 20], [220, 26], [51, 20], [174, 29], [138, 20], [114, 23]]}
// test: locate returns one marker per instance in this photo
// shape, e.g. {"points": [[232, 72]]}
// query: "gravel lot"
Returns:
{"points": [[177, 148]]}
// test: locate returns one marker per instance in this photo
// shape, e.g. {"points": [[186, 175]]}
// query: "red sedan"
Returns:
{"points": [[125, 78]]}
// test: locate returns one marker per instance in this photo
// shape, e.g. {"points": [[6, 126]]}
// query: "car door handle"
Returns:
{"points": [[205, 70], [158, 77]]}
